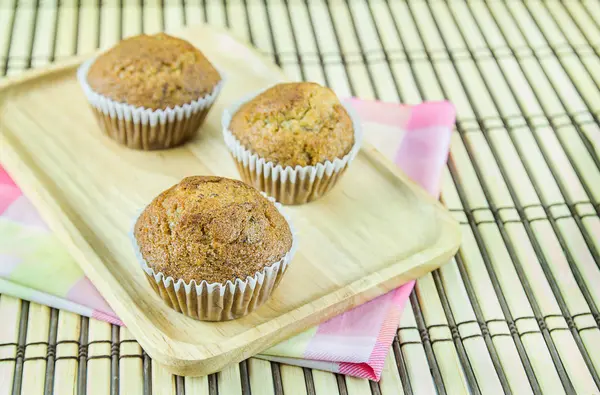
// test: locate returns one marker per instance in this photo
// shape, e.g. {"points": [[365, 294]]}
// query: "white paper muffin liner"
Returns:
{"points": [[288, 185], [145, 128], [218, 301]]}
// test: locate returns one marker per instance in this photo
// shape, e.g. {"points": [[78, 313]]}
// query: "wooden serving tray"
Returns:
{"points": [[374, 231]]}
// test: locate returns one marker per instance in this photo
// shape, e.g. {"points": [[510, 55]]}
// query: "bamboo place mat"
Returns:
{"points": [[515, 312]]}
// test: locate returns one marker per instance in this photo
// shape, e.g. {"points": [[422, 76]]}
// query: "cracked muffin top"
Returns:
{"points": [[156, 72], [213, 229], [294, 124]]}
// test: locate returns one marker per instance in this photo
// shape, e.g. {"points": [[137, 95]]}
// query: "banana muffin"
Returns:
{"points": [[156, 72], [295, 124], [214, 230], [150, 91], [293, 141]]}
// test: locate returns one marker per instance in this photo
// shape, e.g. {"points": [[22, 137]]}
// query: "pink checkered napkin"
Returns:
{"points": [[417, 138], [356, 343]]}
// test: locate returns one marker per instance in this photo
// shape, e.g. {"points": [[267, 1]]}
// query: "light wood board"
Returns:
{"points": [[373, 232]]}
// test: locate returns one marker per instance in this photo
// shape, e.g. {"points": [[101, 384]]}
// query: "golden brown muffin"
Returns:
{"points": [[156, 72], [294, 124], [213, 229]]}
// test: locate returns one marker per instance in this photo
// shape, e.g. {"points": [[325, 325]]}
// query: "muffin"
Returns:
{"points": [[293, 141], [150, 92], [213, 248]]}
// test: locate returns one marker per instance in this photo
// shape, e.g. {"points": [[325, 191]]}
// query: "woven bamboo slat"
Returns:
{"points": [[98, 362], [515, 311], [36, 348], [261, 377], [66, 361], [413, 352], [229, 380], [390, 382], [163, 382], [130, 360], [324, 382], [10, 310], [292, 380], [356, 386], [197, 385]]}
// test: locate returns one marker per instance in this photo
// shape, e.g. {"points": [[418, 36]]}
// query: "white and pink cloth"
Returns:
{"points": [[35, 266]]}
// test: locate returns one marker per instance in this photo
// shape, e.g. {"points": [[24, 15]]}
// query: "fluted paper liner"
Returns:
{"points": [[218, 301], [289, 185], [144, 128]]}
